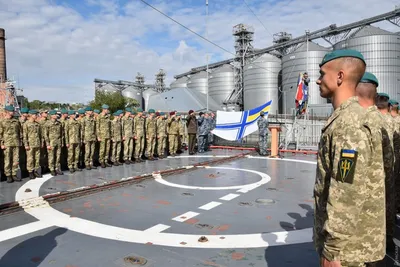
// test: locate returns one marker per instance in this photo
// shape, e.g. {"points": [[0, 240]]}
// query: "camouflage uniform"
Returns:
{"points": [[89, 139], [127, 131], [349, 189], [11, 135], [262, 134], [203, 133], [210, 136], [161, 135], [73, 139], [139, 130], [116, 135], [173, 130], [33, 141], [181, 134], [104, 133], [44, 155], [151, 134], [53, 137]]}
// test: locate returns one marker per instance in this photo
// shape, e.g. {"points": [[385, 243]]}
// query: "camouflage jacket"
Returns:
{"points": [[203, 125], [103, 127], [73, 132], [116, 130], [182, 130], [151, 127], [10, 132], [88, 129], [53, 133], [173, 126], [32, 134], [139, 129], [262, 126], [161, 127], [349, 189], [127, 127]]}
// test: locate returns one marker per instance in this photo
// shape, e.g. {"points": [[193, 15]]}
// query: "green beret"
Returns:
{"points": [[81, 111], [71, 112], [33, 111], [341, 53], [369, 78], [9, 108], [52, 112], [88, 109], [393, 102], [25, 110], [152, 111], [128, 110], [139, 110], [105, 106], [134, 112], [64, 111], [96, 111], [384, 95]]}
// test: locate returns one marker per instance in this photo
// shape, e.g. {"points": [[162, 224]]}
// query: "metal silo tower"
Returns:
{"points": [[160, 84]]}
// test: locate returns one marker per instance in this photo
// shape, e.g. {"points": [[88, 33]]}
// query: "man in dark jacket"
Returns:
{"points": [[191, 124]]}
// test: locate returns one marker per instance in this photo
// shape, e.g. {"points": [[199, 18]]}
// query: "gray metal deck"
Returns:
{"points": [[170, 214]]}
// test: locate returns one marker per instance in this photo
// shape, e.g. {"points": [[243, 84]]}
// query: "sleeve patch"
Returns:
{"points": [[347, 164]]}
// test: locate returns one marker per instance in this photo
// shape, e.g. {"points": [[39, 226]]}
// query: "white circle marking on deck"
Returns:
{"points": [[53, 217], [264, 179]]}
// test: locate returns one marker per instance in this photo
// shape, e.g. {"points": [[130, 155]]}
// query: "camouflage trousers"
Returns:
{"points": [[54, 155], [139, 146], [173, 143], [73, 155], [161, 143], [116, 151], [201, 145], [180, 141], [262, 144], [151, 144], [89, 152], [11, 160], [104, 151], [128, 148], [33, 159]]}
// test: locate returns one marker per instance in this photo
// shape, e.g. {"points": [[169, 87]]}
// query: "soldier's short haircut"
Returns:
{"points": [[382, 102], [366, 91], [355, 68]]}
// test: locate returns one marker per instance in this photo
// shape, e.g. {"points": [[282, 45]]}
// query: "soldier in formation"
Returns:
{"points": [[262, 124], [55, 141], [358, 166]]}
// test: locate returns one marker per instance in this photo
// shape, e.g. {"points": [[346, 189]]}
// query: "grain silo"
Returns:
{"points": [[133, 93], [198, 82], [3, 64], [261, 82], [179, 83], [146, 97], [108, 88], [295, 63], [221, 83], [381, 50]]}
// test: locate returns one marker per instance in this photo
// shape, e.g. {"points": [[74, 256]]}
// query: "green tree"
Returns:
{"points": [[114, 100]]}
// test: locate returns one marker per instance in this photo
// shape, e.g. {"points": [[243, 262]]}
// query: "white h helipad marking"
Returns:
{"points": [[52, 217], [229, 197], [186, 216], [157, 228], [210, 205]]}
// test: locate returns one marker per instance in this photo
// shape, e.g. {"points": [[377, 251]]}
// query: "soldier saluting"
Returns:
{"points": [[262, 134]]}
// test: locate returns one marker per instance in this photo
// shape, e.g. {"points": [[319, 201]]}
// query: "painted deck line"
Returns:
{"points": [[186, 216], [210, 205], [23, 230], [157, 228], [229, 197]]}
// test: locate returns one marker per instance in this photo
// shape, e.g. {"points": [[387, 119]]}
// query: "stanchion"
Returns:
{"points": [[275, 129]]}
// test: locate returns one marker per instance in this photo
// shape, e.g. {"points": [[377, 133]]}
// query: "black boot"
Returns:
{"points": [[108, 164], [31, 175], [71, 170], [59, 172], [103, 165], [10, 179], [53, 173], [37, 175], [127, 162], [15, 178]]}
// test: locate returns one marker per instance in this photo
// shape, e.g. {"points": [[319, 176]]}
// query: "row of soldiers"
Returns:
{"points": [[357, 188], [81, 138]]}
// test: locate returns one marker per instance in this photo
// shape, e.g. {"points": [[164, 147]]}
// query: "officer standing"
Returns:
{"points": [[262, 134], [89, 137], [33, 141], [161, 134], [53, 138], [191, 124], [366, 92], [104, 136], [203, 132], [10, 136], [139, 134], [127, 132], [349, 191], [173, 130], [73, 139], [151, 134], [116, 135]]}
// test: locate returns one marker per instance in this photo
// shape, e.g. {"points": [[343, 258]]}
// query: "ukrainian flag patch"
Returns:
{"points": [[347, 163]]}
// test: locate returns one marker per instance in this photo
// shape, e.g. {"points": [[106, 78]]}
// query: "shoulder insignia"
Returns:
{"points": [[347, 163]]}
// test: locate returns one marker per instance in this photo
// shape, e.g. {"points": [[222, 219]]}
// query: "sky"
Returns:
{"points": [[56, 48]]}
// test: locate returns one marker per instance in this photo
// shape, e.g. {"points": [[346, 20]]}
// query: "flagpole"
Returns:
{"points": [[206, 51]]}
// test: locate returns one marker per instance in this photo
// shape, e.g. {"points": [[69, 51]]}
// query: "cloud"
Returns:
{"points": [[57, 49]]}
